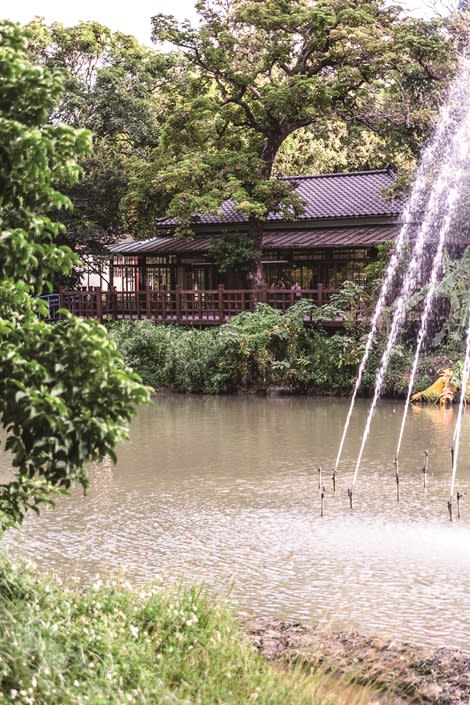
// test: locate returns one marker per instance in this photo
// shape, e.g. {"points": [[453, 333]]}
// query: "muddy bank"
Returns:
{"points": [[407, 673]]}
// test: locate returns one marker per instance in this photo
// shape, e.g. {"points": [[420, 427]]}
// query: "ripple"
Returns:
{"points": [[225, 492]]}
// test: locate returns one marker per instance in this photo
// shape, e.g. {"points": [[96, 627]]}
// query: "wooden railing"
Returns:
{"points": [[181, 306]]}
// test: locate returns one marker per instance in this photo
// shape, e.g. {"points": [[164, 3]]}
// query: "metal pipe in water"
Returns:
{"points": [[322, 503], [397, 477], [333, 477], [459, 497], [449, 508], [350, 497], [319, 478], [451, 449], [426, 466]]}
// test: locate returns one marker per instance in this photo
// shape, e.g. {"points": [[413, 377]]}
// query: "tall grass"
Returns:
{"points": [[110, 645]]}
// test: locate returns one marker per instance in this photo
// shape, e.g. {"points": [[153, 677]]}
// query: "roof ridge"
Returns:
{"points": [[336, 173]]}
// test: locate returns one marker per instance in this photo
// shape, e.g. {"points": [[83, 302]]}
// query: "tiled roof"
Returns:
{"points": [[362, 236], [348, 195]]}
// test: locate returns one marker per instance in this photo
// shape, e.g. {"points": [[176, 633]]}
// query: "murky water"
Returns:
{"points": [[224, 491]]}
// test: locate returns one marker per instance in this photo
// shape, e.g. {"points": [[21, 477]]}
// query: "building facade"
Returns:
{"points": [[346, 216]]}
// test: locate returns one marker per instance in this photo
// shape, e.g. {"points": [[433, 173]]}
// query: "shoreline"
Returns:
{"points": [[399, 671]]}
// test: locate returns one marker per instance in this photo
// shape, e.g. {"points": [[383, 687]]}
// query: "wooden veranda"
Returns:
{"points": [[178, 306]]}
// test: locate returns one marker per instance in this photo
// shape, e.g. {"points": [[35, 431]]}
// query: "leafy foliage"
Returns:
{"points": [[259, 73], [108, 644], [233, 253], [253, 350], [65, 396], [116, 88]]}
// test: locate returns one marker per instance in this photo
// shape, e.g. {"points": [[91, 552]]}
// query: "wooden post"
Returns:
{"points": [[263, 294], [61, 299], [320, 294], [199, 295], [220, 296], [99, 305], [113, 297], [148, 302], [178, 303]]}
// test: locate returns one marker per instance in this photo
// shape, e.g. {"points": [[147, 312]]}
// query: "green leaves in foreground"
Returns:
{"points": [[65, 395], [65, 399], [108, 645]]}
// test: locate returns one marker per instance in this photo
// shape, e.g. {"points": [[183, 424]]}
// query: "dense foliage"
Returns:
{"points": [[65, 396], [109, 645], [260, 73], [255, 89], [258, 350], [121, 91]]}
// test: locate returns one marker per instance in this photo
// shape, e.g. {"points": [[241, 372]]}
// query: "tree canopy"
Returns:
{"points": [[118, 89], [261, 72], [65, 395]]}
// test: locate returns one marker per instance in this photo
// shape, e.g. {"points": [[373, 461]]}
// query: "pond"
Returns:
{"points": [[224, 491]]}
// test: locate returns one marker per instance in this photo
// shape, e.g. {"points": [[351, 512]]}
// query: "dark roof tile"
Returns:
{"points": [[344, 195], [362, 236]]}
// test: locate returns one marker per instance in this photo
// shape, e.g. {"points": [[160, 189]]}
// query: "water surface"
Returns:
{"points": [[224, 491]]}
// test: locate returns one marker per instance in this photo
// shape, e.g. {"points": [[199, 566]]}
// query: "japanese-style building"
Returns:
{"points": [[171, 279], [345, 217]]}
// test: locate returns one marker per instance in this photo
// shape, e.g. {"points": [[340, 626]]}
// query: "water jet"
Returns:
{"points": [[416, 265]]}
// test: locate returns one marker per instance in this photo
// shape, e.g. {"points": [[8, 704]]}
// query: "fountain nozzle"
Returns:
{"points": [[426, 466], [350, 497], [333, 477], [449, 508], [397, 477], [459, 497]]}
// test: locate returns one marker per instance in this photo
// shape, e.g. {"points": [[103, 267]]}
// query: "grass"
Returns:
{"points": [[111, 645]]}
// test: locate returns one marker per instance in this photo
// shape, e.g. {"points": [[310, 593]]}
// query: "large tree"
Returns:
{"points": [[65, 395], [118, 89], [258, 73]]}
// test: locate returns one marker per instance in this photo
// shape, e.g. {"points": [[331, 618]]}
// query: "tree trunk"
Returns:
{"points": [[256, 226], [255, 233]]}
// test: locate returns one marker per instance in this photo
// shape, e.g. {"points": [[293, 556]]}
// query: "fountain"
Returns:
{"points": [[427, 222]]}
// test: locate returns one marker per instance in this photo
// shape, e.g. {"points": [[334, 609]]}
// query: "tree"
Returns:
{"points": [[65, 395], [117, 88], [261, 71]]}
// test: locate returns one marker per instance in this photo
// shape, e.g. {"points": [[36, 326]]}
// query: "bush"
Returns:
{"points": [[263, 348]]}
